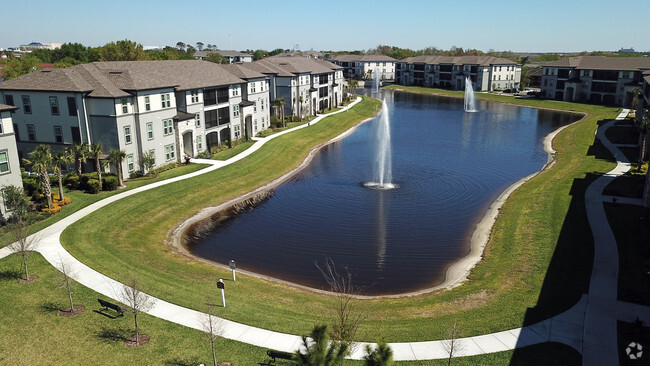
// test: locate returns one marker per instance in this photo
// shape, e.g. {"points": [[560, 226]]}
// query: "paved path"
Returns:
{"points": [[589, 326]]}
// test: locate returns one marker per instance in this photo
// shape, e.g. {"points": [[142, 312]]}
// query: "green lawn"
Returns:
{"points": [[37, 335], [502, 287], [81, 199]]}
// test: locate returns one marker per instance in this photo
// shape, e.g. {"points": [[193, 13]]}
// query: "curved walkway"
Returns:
{"points": [[589, 326]]}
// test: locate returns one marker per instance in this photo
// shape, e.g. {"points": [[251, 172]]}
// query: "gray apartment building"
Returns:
{"points": [[365, 66], [487, 73], [594, 79], [170, 109]]}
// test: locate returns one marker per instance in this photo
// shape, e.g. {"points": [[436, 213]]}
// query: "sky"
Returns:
{"points": [[501, 25]]}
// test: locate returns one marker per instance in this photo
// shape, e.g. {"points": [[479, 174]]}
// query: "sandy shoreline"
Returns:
{"points": [[455, 275]]}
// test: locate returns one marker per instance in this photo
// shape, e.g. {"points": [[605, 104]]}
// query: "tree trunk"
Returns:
{"points": [[137, 334], [47, 190], [214, 355], [24, 256], [98, 165], [120, 178], [78, 163], [70, 297], [60, 185]]}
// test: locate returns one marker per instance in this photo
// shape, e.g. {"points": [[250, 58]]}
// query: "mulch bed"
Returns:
{"points": [[143, 339], [77, 310], [30, 279]]}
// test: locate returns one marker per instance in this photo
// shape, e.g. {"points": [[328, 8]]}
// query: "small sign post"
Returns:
{"points": [[221, 285], [233, 266]]}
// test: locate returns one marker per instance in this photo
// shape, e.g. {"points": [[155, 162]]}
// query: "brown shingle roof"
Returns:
{"points": [[292, 65], [460, 60], [116, 79], [602, 63], [363, 58], [242, 71]]}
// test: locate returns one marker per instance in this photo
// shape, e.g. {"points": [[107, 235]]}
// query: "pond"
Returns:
{"points": [[450, 165]]}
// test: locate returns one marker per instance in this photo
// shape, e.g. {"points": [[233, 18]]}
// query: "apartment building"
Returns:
{"points": [[9, 163], [594, 79], [365, 66], [170, 109], [231, 56], [487, 73], [307, 85]]}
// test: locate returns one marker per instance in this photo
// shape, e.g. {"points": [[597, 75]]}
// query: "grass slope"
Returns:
{"points": [[127, 237]]}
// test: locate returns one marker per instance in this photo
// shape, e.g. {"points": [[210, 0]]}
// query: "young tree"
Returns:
{"points": [[138, 301], [319, 351], [66, 281], [213, 326], [117, 157], [346, 312], [60, 159], [643, 124], [23, 245], [181, 46], [199, 46], [278, 103], [79, 153], [41, 161], [452, 345], [16, 203], [95, 153], [353, 84], [382, 355]]}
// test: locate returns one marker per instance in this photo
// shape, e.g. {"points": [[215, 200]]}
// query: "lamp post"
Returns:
{"points": [[233, 267], [222, 286]]}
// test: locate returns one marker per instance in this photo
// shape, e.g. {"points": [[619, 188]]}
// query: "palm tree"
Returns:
{"points": [[380, 356], [95, 153], [643, 124], [117, 157], [41, 161], [353, 84], [79, 152], [278, 104], [60, 159], [320, 352]]}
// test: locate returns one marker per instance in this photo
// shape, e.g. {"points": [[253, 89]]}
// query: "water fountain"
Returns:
{"points": [[470, 102], [383, 165], [377, 79]]}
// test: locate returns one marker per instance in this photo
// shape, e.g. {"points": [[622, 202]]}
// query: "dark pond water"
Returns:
{"points": [[450, 165]]}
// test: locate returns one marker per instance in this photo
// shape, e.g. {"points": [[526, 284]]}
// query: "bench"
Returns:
{"points": [[107, 305], [279, 354]]}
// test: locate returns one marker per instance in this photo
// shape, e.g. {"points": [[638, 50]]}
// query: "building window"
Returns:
{"points": [[235, 91], [253, 87], [54, 106], [127, 134], [168, 127], [4, 162], [58, 134], [262, 104], [129, 162], [166, 101], [194, 96], [149, 130], [27, 105], [72, 106], [0, 128], [9, 100], [125, 106], [198, 119], [31, 132], [237, 132], [235, 110], [199, 144], [169, 152], [147, 103]]}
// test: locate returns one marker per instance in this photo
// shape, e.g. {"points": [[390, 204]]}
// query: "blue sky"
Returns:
{"points": [[523, 25]]}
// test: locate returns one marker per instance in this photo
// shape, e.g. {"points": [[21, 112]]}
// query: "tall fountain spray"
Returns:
{"points": [[377, 79], [470, 102], [383, 165]]}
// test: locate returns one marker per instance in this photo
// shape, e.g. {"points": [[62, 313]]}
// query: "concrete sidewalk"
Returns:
{"points": [[589, 326]]}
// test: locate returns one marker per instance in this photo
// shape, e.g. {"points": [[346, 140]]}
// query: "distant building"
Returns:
{"points": [[364, 66], [307, 85], [486, 72], [9, 162], [594, 79], [42, 46], [231, 56], [627, 50]]}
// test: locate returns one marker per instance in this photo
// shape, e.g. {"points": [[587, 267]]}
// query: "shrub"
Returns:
{"points": [[30, 185], [71, 181], [110, 183], [92, 186], [135, 174]]}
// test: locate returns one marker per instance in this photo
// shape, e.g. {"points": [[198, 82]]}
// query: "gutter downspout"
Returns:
{"points": [[83, 104]]}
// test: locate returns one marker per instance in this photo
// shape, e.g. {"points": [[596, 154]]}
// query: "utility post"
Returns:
{"points": [[221, 286], [233, 267]]}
